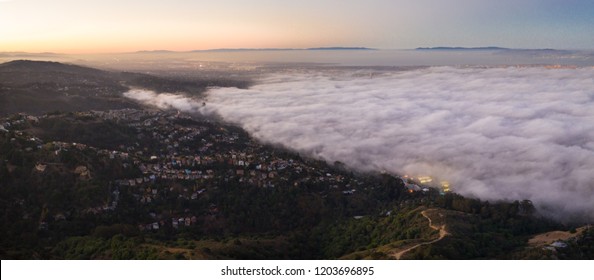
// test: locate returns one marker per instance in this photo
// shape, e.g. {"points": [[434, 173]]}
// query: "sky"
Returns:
{"points": [[71, 26]]}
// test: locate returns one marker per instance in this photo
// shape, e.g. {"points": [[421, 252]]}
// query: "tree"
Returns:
{"points": [[526, 207]]}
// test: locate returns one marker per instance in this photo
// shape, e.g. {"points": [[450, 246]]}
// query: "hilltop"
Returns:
{"points": [[41, 86], [38, 87], [23, 72]]}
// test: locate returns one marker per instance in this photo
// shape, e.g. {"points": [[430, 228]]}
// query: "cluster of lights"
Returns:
{"points": [[445, 185], [425, 179]]}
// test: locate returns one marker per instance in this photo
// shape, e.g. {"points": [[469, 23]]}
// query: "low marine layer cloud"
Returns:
{"points": [[164, 100], [493, 133]]}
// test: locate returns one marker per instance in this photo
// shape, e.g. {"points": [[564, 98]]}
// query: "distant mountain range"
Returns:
{"points": [[265, 49], [341, 49], [491, 48], [288, 49], [461, 49], [26, 54], [155, 51]]}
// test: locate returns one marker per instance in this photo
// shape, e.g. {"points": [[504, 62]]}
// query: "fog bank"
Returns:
{"points": [[493, 133]]}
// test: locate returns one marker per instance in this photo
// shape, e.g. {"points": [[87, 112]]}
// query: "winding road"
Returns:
{"points": [[442, 234]]}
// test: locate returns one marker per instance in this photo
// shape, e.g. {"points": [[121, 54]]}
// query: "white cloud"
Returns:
{"points": [[163, 100], [496, 133]]}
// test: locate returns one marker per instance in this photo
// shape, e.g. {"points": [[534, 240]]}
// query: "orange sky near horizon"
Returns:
{"points": [[107, 26], [75, 27]]}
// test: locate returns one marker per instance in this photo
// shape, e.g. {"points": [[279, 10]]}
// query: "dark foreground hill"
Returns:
{"points": [[37, 87], [144, 184]]}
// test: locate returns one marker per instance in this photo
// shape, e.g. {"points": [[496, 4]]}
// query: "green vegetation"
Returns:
{"points": [[106, 197]]}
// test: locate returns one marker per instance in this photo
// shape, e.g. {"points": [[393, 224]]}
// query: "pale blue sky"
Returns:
{"points": [[119, 25]]}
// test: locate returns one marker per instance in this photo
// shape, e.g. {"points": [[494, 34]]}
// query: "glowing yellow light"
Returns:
{"points": [[425, 179]]}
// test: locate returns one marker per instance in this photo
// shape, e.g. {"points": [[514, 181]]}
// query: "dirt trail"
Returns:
{"points": [[552, 236], [442, 233]]}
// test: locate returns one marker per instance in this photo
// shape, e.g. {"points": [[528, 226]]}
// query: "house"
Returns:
{"points": [[59, 217], [425, 179], [43, 226], [413, 188], [83, 171], [33, 119], [40, 167], [559, 244], [349, 192]]}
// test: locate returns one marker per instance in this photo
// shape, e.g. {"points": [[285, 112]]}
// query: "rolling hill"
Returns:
{"points": [[37, 87]]}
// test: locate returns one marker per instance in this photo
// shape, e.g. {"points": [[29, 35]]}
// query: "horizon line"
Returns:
{"points": [[338, 48]]}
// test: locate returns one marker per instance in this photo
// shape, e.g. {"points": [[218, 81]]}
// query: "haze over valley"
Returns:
{"points": [[302, 130], [497, 133]]}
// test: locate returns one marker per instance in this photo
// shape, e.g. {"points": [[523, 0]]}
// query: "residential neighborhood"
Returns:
{"points": [[189, 182], [176, 159]]}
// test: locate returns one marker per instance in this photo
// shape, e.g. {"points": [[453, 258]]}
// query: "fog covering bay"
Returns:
{"points": [[495, 133]]}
